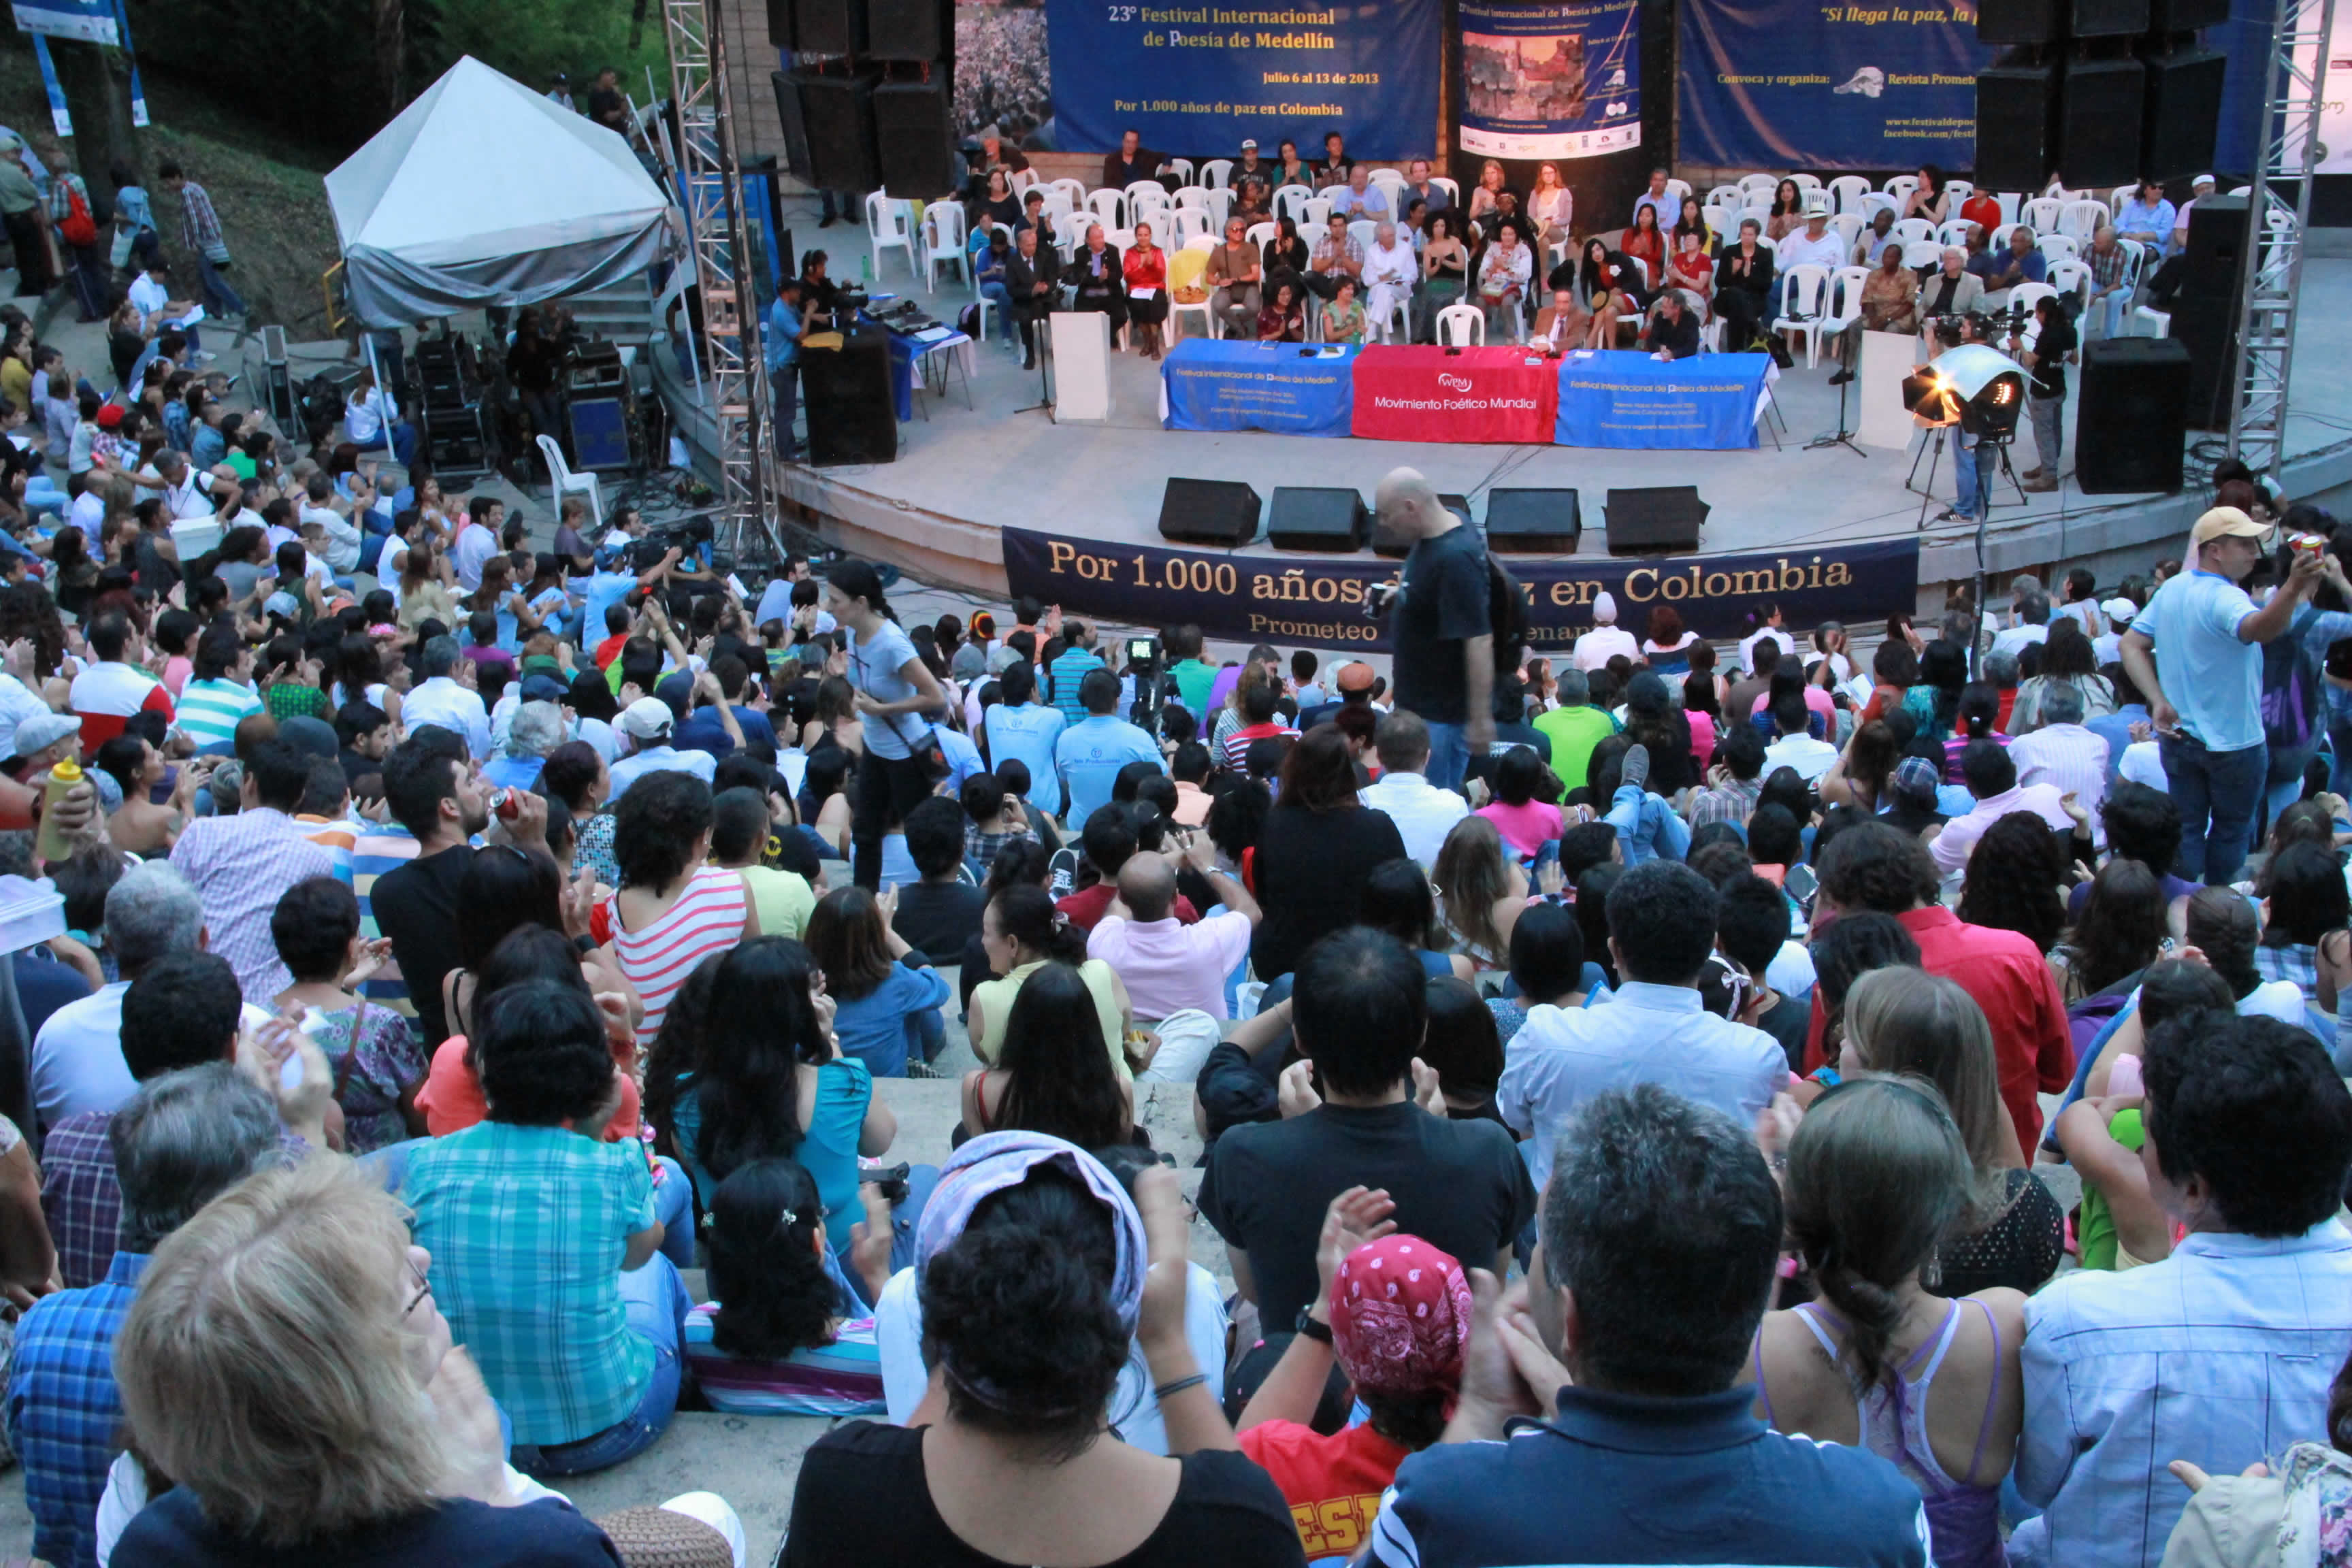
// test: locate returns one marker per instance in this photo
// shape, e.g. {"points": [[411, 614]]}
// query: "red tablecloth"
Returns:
{"points": [[1429, 393]]}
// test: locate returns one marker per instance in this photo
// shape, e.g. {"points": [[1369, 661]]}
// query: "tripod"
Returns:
{"points": [[1038, 338], [1841, 436]]}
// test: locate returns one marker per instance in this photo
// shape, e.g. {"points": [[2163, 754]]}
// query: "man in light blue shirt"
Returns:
{"points": [[1090, 752], [1662, 917], [2146, 216], [2223, 1353], [1669, 205], [783, 353], [1023, 728], [2204, 687], [647, 723]]}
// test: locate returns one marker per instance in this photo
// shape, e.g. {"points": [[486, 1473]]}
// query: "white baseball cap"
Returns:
{"points": [[2119, 610]]}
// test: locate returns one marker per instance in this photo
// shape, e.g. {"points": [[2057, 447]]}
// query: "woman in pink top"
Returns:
{"points": [[1525, 822], [673, 910]]}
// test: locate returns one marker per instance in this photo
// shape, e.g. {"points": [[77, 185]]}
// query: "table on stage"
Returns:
{"points": [[1430, 394], [1297, 389], [1625, 399]]}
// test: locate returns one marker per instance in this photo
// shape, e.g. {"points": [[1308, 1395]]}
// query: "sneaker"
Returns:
{"points": [[2031, 474], [2038, 484], [1841, 378], [1063, 873], [1635, 769]]}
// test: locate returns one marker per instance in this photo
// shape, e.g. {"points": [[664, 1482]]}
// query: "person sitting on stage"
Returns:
{"points": [[1289, 169], [1876, 238], [1503, 278], [1984, 259], [1953, 291], [1031, 276], [1552, 206], [2146, 217], [1098, 271], [1252, 184], [1743, 288], [1444, 270], [1504, 213], [1560, 325], [1608, 286], [1645, 241], [1390, 271], [1787, 214], [1132, 165], [2111, 296], [1336, 257], [1359, 198], [1692, 221], [1146, 269], [994, 154], [1982, 208], [1288, 256], [1690, 271], [987, 271], [2023, 264], [1662, 203], [1033, 210], [1928, 199], [1232, 273], [1417, 184], [1817, 245], [1335, 169], [1281, 320], [1890, 303], [999, 205], [1674, 329], [1343, 317]]}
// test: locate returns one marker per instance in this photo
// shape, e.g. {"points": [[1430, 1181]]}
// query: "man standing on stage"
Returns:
{"points": [[1443, 626]]}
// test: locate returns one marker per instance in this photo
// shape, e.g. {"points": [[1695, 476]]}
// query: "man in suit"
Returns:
{"points": [[1131, 165], [1952, 290], [1560, 326], [1033, 276]]}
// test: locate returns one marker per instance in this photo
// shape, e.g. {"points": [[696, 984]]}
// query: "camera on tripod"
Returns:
{"points": [[1145, 664], [682, 537]]}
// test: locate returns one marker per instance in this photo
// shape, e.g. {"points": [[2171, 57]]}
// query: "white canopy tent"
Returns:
{"points": [[483, 193]]}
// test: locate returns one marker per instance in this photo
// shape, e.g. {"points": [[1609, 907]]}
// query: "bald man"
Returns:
{"points": [[1169, 967], [1440, 626]]}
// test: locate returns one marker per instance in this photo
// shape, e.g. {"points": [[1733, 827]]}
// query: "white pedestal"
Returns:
{"points": [[1886, 359], [1081, 367]]}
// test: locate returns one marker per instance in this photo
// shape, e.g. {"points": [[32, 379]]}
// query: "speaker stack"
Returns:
{"points": [[870, 105], [602, 406], [449, 397], [2205, 312], [2104, 90]]}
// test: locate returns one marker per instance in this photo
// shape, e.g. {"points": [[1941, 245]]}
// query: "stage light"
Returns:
{"points": [[1987, 386]]}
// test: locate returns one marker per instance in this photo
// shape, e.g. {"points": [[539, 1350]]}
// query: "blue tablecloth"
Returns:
{"points": [[1298, 389], [1624, 399]]}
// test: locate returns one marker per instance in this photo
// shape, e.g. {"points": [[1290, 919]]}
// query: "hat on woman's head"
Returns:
{"points": [[1604, 608], [1401, 1317], [995, 1161], [1915, 780]]}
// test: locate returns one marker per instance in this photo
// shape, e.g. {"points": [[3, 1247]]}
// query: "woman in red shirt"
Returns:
{"points": [[1646, 243], [1147, 290]]}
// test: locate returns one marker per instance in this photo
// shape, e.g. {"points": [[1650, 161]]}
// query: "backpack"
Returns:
{"points": [[968, 322], [2290, 702], [76, 228], [1506, 615]]}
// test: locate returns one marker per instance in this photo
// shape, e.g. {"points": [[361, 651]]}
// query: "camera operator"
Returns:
{"points": [[2044, 352]]}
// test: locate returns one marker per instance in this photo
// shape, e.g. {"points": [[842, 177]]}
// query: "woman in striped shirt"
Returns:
{"points": [[673, 910]]}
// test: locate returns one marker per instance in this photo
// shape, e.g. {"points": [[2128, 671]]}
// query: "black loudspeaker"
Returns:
{"points": [[914, 136], [829, 27], [837, 116], [1654, 519], [1333, 521], [788, 111], [2208, 330], [2217, 243], [1388, 544], [1209, 512], [781, 30], [2134, 416], [847, 392], [1533, 522], [2017, 126], [916, 29], [2098, 122], [2179, 108], [2185, 16], [2107, 20], [2020, 21]]}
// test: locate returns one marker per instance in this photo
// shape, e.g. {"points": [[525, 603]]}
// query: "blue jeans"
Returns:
{"points": [[220, 299], [1648, 829], [402, 445], [674, 1206], [2216, 792], [785, 385], [1971, 502], [658, 1304], [1449, 755], [1002, 299]]}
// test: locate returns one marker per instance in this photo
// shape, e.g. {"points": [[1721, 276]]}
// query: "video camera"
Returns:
{"points": [[1144, 662], [682, 537]]}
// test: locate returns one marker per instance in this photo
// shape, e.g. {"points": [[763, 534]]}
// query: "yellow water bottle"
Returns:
{"points": [[52, 845]]}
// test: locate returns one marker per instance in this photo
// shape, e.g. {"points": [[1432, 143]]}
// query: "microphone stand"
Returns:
{"points": [[1842, 436]]}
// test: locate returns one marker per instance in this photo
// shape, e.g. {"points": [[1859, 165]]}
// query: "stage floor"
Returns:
{"points": [[962, 473]]}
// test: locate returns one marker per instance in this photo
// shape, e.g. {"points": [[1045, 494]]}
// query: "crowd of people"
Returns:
{"points": [[1639, 1053]]}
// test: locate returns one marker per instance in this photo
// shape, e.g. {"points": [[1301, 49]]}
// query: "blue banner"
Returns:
{"points": [[92, 21], [1798, 84], [1194, 81], [1550, 79], [1216, 385], [1707, 402]]}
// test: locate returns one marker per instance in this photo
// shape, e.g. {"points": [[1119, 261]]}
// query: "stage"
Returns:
{"points": [[963, 474]]}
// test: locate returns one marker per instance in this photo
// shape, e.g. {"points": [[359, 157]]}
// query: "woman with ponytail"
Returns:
{"points": [[897, 699], [1877, 1175], [1021, 931], [784, 1332]]}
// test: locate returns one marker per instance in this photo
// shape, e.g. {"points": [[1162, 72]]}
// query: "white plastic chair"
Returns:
{"points": [[1805, 183], [2121, 195], [1760, 188], [2083, 219], [1221, 206], [2011, 201], [2041, 213], [1108, 207], [1911, 229], [1314, 213], [1800, 307], [1849, 227], [1723, 220], [1365, 232], [1873, 200], [1954, 232], [1845, 298], [1188, 223], [1263, 234], [1193, 196], [1900, 186], [1391, 184], [1452, 189], [1204, 243], [2161, 320], [1217, 174], [1727, 197], [2069, 277], [1760, 211], [943, 239], [1073, 190], [1923, 253], [1072, 232], [1846, 193], [888, 229], [1461, 327], [2058, 247], [1181, 168], [1678, 189], [2025, 294], [1958, 191], [1184, 269], [1145, 201], [562, 482], [1020, 180]]}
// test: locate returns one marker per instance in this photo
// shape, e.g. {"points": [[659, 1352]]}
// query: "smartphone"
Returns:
{"points": [[1800, 884]]}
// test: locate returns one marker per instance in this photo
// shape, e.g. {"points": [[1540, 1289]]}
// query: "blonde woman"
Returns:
{"points": [[1552, 207], [1490, 185]]}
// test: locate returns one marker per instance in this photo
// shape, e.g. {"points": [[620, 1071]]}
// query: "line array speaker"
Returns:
{"points": [[2099, 121], [2017, 126], [1654, 519], [1533, 522], [914, 135], [2217, 242], [2019, 21], [1208, 511], [2108, 19], [837, 112], [2179, 112], [829, 27], [1331, 519], [2207, 329], [2133, 420], [781, 30], [916, 29]]}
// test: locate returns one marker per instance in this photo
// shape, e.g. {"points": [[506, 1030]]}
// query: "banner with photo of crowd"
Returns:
{"points": [[1800, 84]]}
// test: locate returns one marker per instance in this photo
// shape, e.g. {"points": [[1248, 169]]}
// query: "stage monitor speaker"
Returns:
{"points": [[2217, 240], [781, 31], [2181, 107], [829, 27], [1533, 522], [1305, 517], [2017, 125], [916, 29], [837, 112], [2133, 419], [2098, 122], [788, 111], [1654, 519], [915, 135], [600, 432], [2207, 329], [1388, 544], [2107, 18], [2020, 21], [1208, 511], [847, 392]]}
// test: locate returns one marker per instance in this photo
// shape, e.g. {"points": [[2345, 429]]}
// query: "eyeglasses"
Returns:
{"points": [[423, 1289]]}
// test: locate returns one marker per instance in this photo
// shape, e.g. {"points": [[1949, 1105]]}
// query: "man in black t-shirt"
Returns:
{"points": [[2047, 394], [939, 915], [1359, 1010], [1442, 626], [607, 107]]}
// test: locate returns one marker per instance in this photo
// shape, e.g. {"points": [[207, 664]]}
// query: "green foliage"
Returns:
{"points": [[530, 40]]}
